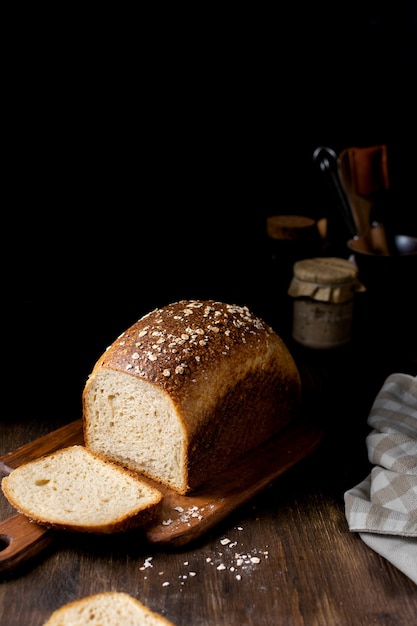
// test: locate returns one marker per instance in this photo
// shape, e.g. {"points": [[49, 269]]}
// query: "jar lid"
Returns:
{"points": [[290, 227], [328, 279]]}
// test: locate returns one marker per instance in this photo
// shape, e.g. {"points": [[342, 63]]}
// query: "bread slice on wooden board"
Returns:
{"points": [[109, 608], [73, 489], [187, 390]]}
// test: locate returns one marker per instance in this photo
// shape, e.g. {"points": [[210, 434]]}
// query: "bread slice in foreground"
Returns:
{"points": [[73, 489], [110, 608]]}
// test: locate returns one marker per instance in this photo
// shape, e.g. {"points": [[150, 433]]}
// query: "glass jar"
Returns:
{"points": [[323, 290]]}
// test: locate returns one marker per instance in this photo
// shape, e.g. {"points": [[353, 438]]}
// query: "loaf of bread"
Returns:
{"points": [[109, 608], [73, 489], [188, 389]]}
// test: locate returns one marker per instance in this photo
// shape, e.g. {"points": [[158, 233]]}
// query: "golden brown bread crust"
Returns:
{"points": [[182, 343], [231, 377]]}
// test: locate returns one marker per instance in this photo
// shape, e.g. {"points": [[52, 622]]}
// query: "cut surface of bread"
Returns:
{"points": [[188, 389], [109, 608], [73, 489]]}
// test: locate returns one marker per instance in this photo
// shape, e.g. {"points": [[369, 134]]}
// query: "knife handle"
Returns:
{"points": [[20, 541]]}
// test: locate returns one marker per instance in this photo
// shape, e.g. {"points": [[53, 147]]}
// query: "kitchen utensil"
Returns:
{"points": [[363, 174], [326, 159]]}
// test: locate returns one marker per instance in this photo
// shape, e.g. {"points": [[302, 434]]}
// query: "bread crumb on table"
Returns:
{"points": [[225, 560]]}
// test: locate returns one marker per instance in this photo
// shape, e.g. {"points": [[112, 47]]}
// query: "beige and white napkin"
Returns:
{"points": [[383, 507]]}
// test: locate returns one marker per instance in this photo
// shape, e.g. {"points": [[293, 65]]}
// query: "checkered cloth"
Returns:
{"points": [[383, 507]]}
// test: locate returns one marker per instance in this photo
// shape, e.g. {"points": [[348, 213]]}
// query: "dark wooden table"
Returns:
{"points": [[285, 557]]}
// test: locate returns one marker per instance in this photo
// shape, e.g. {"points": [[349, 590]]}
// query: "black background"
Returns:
{"points": [[147, 148]]}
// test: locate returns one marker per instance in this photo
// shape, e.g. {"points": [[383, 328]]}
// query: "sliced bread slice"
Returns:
{"points": [[73, 489], [109, 608]]}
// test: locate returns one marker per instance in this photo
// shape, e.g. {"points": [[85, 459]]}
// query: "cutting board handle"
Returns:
{"points": [[21, 540]]}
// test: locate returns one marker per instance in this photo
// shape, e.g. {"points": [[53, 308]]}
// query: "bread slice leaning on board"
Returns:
{"points": [[73, 489], [109, 608], [187, 390]]}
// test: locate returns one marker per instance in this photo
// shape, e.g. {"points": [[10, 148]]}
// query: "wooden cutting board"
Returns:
{"points": [[182, 519]]}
